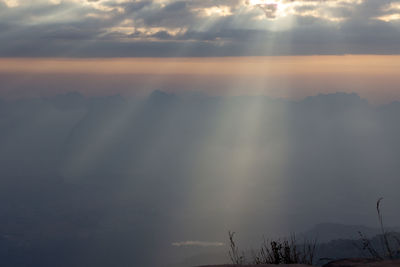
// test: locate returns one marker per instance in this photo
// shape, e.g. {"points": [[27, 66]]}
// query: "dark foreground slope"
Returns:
{"points": [[339, 263]]}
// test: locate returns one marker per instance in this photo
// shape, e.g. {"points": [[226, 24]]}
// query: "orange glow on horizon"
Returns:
{"points": [[246, 66], [374, 77]]}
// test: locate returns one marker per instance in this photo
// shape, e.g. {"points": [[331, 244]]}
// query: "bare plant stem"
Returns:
{"points": [[384, 233]]}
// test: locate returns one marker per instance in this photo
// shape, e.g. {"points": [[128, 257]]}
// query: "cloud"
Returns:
{"points": [[197, 244], [196, 28], [269, 9]]}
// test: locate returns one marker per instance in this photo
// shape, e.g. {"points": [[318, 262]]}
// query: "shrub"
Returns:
{"points": [[280, 251]]}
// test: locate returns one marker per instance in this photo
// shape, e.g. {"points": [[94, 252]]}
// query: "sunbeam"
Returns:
{"points": [[176, 133]]}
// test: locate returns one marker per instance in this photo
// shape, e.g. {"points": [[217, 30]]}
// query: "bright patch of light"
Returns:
{"points": [[272, 9], [312, 8], [262, 2], [11, 3], [388, 18], [220, 11]]}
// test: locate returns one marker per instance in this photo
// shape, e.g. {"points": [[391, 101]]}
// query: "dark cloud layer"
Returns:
{"points": [[197, 28]]}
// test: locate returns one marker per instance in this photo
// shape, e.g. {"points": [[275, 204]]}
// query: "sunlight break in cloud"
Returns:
{"points": [[324, 9], [11, 3], [197, 244], [270, 8]]}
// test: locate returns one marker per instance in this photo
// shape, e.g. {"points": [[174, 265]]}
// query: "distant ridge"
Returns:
{"points": [[326, 232]]}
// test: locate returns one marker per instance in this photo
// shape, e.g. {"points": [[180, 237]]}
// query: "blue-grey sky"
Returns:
{"points": [[109, 28]]}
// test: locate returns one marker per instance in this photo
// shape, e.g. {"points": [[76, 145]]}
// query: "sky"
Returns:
{"points": [[215, 47], [168, 28], [374, 77]]}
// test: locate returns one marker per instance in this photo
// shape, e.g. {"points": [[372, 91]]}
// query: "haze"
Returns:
{"points": [[139, 132]]}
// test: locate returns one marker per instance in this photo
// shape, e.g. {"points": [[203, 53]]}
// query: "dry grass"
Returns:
{"points": [[390, 243], [280, 251]]}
